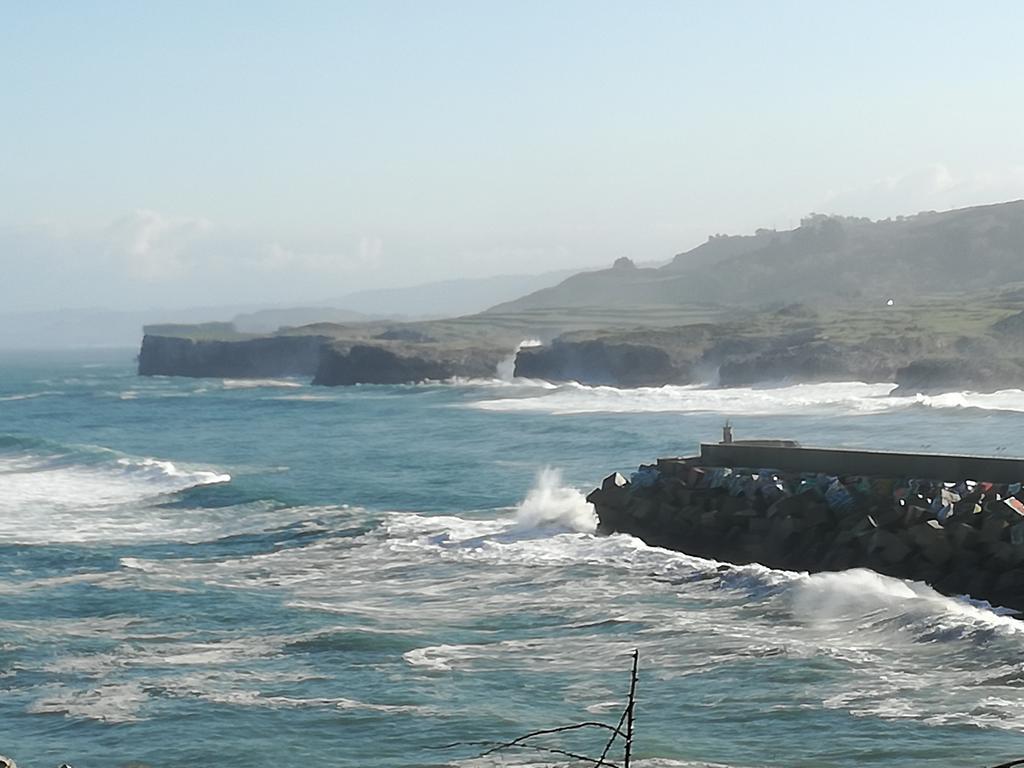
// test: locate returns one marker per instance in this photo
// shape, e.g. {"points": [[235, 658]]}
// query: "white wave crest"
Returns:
{"points": [[859, 592], [53, 498], [29, 396], [260, 383], [850, 397], [110, 703], [1004, 400]]}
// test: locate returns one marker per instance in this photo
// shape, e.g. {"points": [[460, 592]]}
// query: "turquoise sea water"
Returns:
{"points": [[221, 573]]}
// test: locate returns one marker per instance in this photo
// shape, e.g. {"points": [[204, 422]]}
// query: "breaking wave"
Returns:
{"points": [[1005, 400], [574, 398], [260, 383], [79, 493], [551, 503], [846, 398]]}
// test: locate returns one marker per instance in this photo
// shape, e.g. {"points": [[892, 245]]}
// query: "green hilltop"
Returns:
{"points": [[826, 260]]}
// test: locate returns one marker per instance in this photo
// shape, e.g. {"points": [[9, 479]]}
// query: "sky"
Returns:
{"points": [[195, 153]]}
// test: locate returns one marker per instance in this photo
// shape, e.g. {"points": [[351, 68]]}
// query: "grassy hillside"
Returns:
{"points": [[827, 260]]}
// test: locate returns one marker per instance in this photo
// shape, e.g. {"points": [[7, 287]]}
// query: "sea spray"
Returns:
{"points": [[507, 367], [550, 503]]}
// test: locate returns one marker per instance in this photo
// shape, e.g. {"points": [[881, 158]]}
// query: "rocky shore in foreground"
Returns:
{"points": [[962, 537]]}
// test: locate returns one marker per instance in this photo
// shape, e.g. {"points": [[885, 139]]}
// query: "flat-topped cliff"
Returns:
{"points": [[936, 347], [393, 356], [238, 359], [401, 363]]}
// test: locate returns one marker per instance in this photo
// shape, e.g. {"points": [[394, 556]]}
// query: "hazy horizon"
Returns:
{"points": [[192, 155]]}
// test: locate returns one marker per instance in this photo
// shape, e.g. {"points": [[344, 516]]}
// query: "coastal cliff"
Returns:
{"points": [[729, 357], [599, 362], [936, 346], [925, 349], [328, 361], [957, 535], [246, 358], [402, 363]]}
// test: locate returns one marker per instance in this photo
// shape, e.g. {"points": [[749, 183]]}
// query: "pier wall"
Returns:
{"points": [[841, 461], [958, 535]]}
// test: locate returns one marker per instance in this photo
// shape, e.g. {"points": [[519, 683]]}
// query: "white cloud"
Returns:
{"points": [[155, 247], [147, 258]]}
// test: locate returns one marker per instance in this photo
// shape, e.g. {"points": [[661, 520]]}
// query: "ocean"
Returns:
{"points": [[266, 573]]}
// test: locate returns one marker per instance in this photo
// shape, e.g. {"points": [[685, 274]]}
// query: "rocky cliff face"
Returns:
{"points": [[736, 356], [738, 361], [328, 361], [813, 361], [252, 358], [397, 363], [934, 375], [599, 362]]}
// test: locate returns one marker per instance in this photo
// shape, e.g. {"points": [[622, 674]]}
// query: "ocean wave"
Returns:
{"points": [[29, 395], [843, 398], [261, 383], [79, 493], [111, 703], [308, 398], [528, 590], [573, 398], [1004, 400]]}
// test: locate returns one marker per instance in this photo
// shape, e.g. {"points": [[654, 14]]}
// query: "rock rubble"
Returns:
{"points": [[959, 536]]}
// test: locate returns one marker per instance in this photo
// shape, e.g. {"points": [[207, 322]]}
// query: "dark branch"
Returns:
{"points": [[614, 736], [545, 731], [630, 710], [1010, 764], [573, 755], [584, 758]]}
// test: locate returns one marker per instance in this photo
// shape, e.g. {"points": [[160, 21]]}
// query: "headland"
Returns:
{"points": [[932, 302]]}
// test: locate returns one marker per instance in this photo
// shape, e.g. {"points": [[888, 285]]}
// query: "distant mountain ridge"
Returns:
{"points": [[447, 298], [826, 259], [101, 327]]}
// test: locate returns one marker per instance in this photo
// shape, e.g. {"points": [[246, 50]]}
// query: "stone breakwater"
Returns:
{"points": [[959, 536]]}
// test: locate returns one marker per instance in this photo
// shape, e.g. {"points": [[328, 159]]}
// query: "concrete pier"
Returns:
{"points": [[954, 522]]}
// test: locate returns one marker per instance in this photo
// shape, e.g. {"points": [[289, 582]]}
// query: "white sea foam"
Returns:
{"points": [[114, 703], [308, 398], [1005, 400], [851, 397], [850, 595], [260, 383], [29, 395], [52, 498], [573, 603], [847, 398]]}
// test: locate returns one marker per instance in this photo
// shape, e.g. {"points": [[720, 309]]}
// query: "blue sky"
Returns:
{"points": [[173, 153]]}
